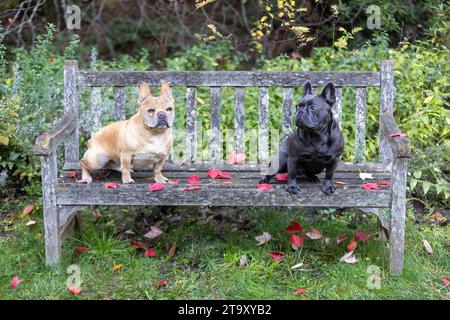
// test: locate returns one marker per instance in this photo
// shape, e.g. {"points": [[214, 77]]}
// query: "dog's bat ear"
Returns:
{"points": [[166, 90], [329, 93], [144, 91], [307, 89]]}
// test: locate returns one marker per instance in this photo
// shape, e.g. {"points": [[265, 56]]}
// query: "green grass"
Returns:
{"points": [[206, 263]]}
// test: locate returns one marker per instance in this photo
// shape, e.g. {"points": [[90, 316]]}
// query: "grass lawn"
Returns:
{"points": [[209, 245]]}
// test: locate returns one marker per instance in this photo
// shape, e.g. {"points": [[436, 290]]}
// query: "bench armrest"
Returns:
{"points": [[47, 143], [400, 146]]}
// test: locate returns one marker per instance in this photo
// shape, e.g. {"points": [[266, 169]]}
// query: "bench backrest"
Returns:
{"points": [[216, 80]]}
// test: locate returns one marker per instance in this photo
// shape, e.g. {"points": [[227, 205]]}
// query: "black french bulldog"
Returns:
{"points": [[317, 143]]}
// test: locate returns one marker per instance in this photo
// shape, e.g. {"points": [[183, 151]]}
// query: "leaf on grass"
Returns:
{"points": [[27, 210], [349, 257], [384, 183], [296, 241], [263, 238], [361, 236], [150, 252], [173, 182], [283, 177], [156, 186], [236, 158], [243, 261], [397, 134], [162, 283], [194, 179], [371, 186], [31, 223], [352, 245], [300, 291], [15, 282], [364, 176], [293, 227], [445, 281], [110, 185], [314, 234], [74, 290], [153, 233], [80, 249], [137, 244], [117, 267], [264, 186], [192, 188], [96, 213], [296, 266], [341, 238], [72, 174], [427, 246], [277, 256], [172, 251]]}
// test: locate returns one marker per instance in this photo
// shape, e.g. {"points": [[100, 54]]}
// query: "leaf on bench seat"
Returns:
{"points": [[110, 185], [192, 188], [173, 182], [156, 186], [264, 186], [194, 179], [283, 177], [371, 186], [217, 174]]}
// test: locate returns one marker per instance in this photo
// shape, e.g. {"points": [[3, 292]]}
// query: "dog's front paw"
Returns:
{"points": [[265, 180], [161, 179], [127, 180], [328, 189], [294, 189], [312, 178]]}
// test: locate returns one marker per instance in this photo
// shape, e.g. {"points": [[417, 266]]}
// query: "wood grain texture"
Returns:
{"points": [[191, 124], [386, 104], [47, 143], [228, 78], [71, 147], [287, 111], [360, 132], [119, 103], [95, 110], [239, 120], [400, 146], [216, 155], [263, 124], [337, 108]]}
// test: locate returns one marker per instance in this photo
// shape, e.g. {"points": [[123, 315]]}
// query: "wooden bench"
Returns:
{"points": [[63, 197]]}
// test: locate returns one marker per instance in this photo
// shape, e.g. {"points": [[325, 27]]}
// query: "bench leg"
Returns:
{"points": [[398, 211], [51, 227]]}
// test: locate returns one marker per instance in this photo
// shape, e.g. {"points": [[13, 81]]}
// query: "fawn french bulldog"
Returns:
{"points": [[137, 143]]}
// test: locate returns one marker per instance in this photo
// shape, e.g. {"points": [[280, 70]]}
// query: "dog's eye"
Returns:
{"points": [[169, 109], [151, 110]]}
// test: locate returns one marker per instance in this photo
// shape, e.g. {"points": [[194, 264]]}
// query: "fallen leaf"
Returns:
{"points": [[193, 180], [313, 234], [352, 245], [117, 267], [341, 238], [445, 281], [27, 210], [156, 186], [96, 213], [296, 241], [104, 299], [236, 158], [397, 134], [361, 236], [10, 20], [153, 233], [349, 257], [110, 185], [137, 244], [162, 283], [72, 174], [172, 251], [80, 249], [173, 182], [264, 186], [384, 183], [15, 282], [277, 256], [340, 183], [364, 176], [283, 177], [74, 290], [427, 246], [150, 253], [31, 223], [192, 188], [304, 298], [439, 217], [296, 266], [371, 186], [263, 238], [243, 261], [227, 183], [217, 174], [293, 227], [300, 291]]}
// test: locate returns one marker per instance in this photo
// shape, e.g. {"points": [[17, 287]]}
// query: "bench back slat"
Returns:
{"points": [[215, 132], [95, 110], [119, 103], [386, 105], [288, 102], [337, 108], [360, 129], [239, 120], [71, 147], [191, 124], [263, 124]]}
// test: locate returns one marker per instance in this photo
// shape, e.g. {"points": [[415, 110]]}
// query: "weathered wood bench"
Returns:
{"points": [[63, 197]]}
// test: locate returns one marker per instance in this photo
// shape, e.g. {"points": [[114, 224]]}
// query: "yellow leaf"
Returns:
{"points": [[427, 100], [263, 19], [280, 4], [280, 14], [4, 140], [117, 267]]}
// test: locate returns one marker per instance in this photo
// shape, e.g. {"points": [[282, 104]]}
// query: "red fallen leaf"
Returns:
{"points": [[72, 174], [162, 283], [173, 182], [276, 255], [15, 282], [340, 183], [300, 291], [282, 177], [293, 227], [371, 186], [80, 249], [227, 183], [352, 245], [296, 241], [445, 281], [156, 186], [217, 174], [150, 253], [52, 60], [194, 179], [235, 158], [314, 234], [137, 244], [264, 186], [192, 188], [384, 183], [96, 213], [74, 290], [27, 210], [341, 238], [361, 236], [111, 185], [397, 134]]}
